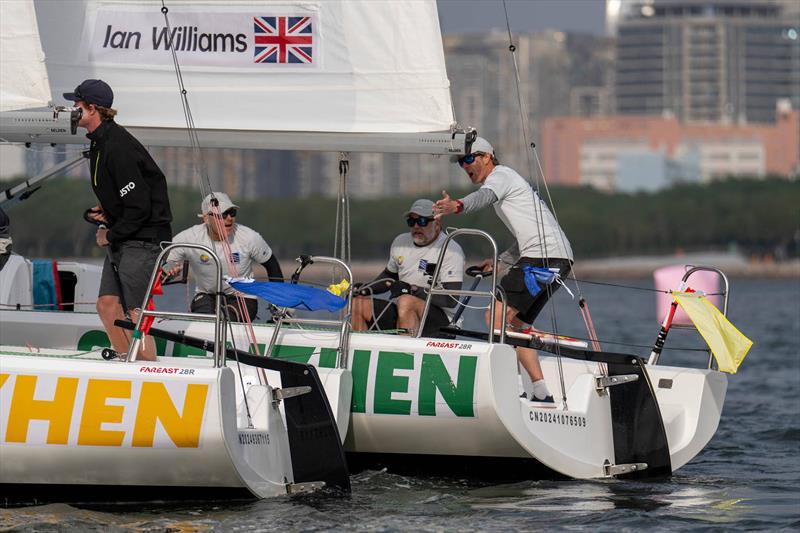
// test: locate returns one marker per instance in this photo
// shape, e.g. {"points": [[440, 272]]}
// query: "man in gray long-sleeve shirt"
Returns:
{"points": [[540, 242]]}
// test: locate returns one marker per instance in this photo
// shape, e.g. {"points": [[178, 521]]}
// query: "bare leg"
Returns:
{"points": [[109, 310], [528, 357], [409, 312], [362, 313], [147, 351]]}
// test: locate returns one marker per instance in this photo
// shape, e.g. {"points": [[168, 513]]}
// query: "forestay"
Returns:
{"points": [[261, 74]]}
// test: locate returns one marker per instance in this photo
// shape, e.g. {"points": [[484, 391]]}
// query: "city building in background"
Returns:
{"points": [[679, 91], [706, 60], [648, 153]]}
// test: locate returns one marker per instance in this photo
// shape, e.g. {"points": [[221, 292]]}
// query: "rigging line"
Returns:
{"points": [[634, 345], [633, 287], [537, 205], [194, 139], [206, 181], [239, 368], [525, 135]]}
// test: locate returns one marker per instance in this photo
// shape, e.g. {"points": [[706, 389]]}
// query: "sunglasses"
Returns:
{"points": [[468, 159], [229, 213], [421, 221]]}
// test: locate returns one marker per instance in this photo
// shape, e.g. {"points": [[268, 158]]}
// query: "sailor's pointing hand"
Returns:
{"points": [[440, 207], [447, 206]]}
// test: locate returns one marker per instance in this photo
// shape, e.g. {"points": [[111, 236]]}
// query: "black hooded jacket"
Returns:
{"points": [[131, 188]]}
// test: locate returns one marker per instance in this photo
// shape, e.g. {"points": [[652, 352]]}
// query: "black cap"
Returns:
{"points": [[95, 92]]}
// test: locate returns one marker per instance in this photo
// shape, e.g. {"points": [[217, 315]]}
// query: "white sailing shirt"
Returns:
{"points": [[247, 247], [410, 261], [526, 216]]}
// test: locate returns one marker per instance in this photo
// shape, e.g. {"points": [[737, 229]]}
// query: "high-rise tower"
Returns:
{"points": [[706, 60]]}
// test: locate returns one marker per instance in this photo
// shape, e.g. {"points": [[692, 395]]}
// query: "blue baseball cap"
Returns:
{"points": [[95, 92]]}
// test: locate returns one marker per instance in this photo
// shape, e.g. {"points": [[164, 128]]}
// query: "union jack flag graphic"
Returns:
{"points": [[283, 40]]}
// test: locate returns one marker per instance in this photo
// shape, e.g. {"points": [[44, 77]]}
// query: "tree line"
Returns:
{"points": [[758, 216]]}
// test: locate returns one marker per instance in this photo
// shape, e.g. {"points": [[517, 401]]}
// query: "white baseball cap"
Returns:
{"points": [[422, 207], [224, 200], [479, 145]]}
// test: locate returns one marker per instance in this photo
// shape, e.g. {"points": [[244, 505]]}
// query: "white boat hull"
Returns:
{"points": [[424, 397], [147, 429]]}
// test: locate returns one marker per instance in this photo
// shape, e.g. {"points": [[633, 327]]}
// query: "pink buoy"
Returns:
{"points": [[669, 278]]}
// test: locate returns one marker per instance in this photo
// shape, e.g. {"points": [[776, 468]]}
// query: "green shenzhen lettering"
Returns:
{"points": [[434, 376], [98, 339], [386, 383], [360, 373], [182, 350], [93, 338], [297, 354], [302, 354]]}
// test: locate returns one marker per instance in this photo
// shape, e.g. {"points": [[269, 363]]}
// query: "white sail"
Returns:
{"points": [[22, 68], [265, 74]]}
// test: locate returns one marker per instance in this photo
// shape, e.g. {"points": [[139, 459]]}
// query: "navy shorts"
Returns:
{"points": [[135, 261], [513, 283]]}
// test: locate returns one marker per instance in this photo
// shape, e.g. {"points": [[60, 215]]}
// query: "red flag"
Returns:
{"points": [[147, 323]]}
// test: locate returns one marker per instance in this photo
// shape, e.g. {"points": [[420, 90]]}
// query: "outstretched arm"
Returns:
{"points": [[472, 202]]}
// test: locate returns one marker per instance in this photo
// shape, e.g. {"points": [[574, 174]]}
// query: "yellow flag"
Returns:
{"points": [[727, 343], [339, 288]]}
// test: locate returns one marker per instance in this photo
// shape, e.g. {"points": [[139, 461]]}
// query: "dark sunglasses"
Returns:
{"points": [[468, 159], [421, 221], [229, 213]]}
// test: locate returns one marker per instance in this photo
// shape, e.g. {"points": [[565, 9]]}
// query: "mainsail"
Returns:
{"points": [[22, 69], [292, 74]]}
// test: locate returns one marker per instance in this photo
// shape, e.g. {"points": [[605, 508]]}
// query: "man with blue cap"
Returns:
{"points": [[134, 210]]}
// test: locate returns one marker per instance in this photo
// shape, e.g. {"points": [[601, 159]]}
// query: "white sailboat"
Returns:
{"points": [[76, 427], [414, 400]]}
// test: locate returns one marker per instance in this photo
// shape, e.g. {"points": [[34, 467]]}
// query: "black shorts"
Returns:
{"points": [[386, 313], [135, 261], [528, 306], [204, 302]]}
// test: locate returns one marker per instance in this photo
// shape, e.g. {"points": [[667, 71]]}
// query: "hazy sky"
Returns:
{"points": [[462, 16], [467, 16]]}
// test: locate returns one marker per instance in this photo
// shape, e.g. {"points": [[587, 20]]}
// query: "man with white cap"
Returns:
{"points": [[247, 247], [412, 259], [540, 242]]}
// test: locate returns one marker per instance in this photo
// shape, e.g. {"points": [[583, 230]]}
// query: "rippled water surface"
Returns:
{"points": [[747, 478]]}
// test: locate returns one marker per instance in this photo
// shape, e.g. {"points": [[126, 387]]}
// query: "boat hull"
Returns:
{"points": [[71, 419], [427, 398]]}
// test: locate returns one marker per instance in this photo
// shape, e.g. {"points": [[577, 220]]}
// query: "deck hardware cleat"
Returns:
{"points": [[627, 468], [603, 382], [109, 354], [288, 392], [302, 488]]}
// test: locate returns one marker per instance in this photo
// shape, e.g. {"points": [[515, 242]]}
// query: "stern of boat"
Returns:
{"points": [[691, 403]]}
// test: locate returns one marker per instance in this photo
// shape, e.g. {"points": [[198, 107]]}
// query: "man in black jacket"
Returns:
{"points": [[134, 209]]}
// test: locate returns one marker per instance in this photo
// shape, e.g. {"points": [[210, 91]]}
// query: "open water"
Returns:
{"points": [[748, 477]]}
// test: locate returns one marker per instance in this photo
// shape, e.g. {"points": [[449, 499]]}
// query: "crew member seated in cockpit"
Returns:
{"points": [[407, 277]]}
